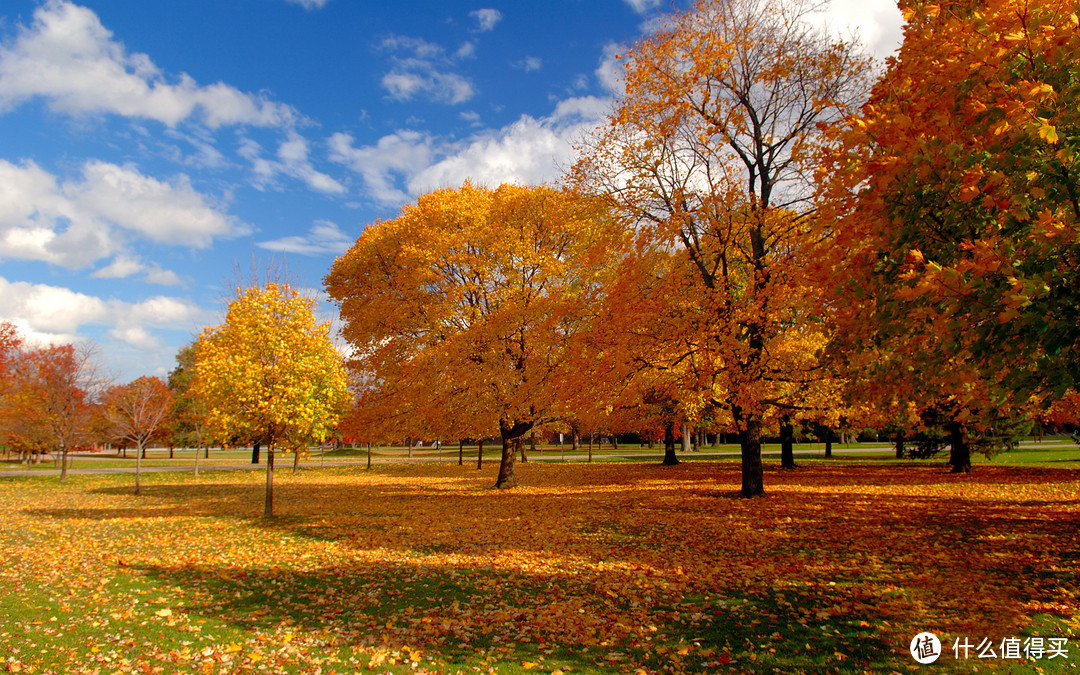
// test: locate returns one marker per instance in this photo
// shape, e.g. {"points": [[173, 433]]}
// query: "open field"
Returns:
{"points": [[586, 568]]}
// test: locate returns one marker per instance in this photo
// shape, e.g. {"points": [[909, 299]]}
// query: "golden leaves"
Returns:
{"points": [[270, 371], [605, 567]]}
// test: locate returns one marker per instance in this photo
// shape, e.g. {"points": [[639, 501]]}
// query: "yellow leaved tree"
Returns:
{"points": [[270, 372]]}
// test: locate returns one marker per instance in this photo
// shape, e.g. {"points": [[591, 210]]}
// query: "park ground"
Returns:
{"points": [[586, 568]]}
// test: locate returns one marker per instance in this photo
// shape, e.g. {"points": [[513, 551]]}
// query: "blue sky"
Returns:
{"points": [[150, 150]]}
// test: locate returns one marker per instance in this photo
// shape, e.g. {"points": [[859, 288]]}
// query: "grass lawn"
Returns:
{"points": [[608, 567]]}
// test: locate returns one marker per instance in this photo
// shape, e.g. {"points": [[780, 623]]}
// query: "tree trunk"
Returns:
{"points": [[63, 464], [255, 453], [828, 443], [787, 443], [480, 454], [206, 455], [960, 452], [138, 465], [670, 459], [575, 442], [197, 448], [296, 461], [685, 437], [614, 442], [524, 457], [461, 452], [369, 455], [511, 435], [900, 445], [753, 483], [171, 448], [268, 509]]}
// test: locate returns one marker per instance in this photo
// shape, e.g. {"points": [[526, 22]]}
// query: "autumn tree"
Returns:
{"points": [[49, 402], [270, 371], [956, 202], [461, 311], [136, 412], [710, 156]]}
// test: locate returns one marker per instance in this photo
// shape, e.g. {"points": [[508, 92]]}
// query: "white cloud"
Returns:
{"points": [[310, 4], [78, 222], [383, 165], [168, 213], [610, 72], [421, 69], [486, 19], [53, 314], [292, 160], [323, 238], [70, 59], [124, 266], [529, 151], [877, 23], [405, 164], [642, 6], [529, 64]]}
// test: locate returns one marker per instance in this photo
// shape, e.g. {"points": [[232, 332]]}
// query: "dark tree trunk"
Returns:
{"points": [[255, 453], [268, 508], [900, 451], [138, 467], [206, 454], [575, 441], [670, 459], [461, 452], [369, 455], [296, 461], [753, 482], [480, 454], [787, 445], [511, 435], [960, 452], [171, 452], [828, 443]]}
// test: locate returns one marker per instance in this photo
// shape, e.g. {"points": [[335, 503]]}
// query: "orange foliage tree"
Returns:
{"points": [[462, 311], [49, 400], [957, 205], [136, 411], [709, 156]]}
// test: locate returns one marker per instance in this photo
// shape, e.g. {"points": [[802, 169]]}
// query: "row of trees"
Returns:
{"points": [[269, 374], [54, 399], [760, 236]]}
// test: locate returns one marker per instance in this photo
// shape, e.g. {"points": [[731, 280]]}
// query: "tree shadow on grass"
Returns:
{"points": [[459, 616]]}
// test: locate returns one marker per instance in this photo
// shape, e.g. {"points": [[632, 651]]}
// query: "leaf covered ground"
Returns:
{"points": [[585, 568]]}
